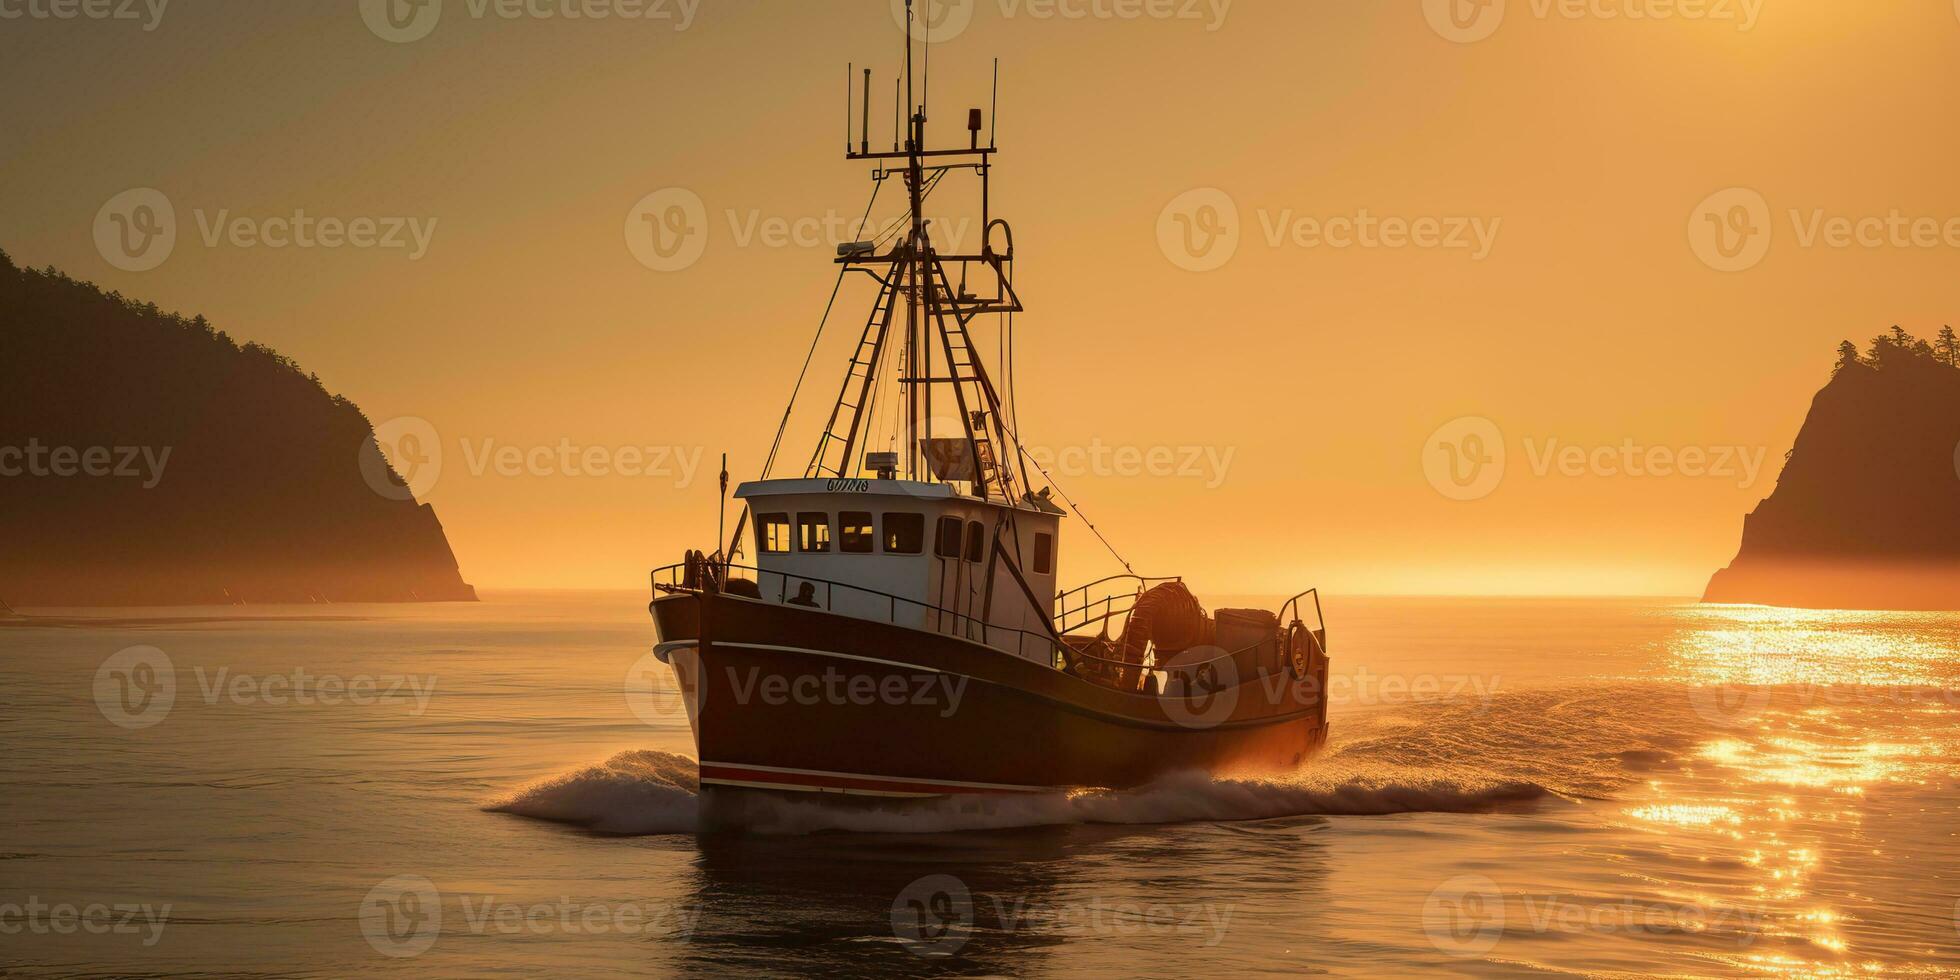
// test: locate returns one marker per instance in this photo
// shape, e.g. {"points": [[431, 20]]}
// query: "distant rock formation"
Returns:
{"points": [[1866, 514], [146, 459]]}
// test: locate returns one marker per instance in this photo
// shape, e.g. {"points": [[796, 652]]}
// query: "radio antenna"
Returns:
{"points": [[993, 129]]}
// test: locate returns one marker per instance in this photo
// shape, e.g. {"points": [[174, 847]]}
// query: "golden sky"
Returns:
{"points": [[1580, 193]]}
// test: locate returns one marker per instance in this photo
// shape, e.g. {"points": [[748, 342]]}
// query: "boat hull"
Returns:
{"points": [[789, 700]]}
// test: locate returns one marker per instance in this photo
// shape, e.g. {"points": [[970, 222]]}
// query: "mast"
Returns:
{"points": [[916, 239], [936, 316]]}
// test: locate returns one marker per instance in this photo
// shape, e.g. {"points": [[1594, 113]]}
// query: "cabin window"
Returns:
{"points": [[905, 534], [976, 540], [772, 534], [1044, 554], [813, 533], [855, 535], [949, 538]]}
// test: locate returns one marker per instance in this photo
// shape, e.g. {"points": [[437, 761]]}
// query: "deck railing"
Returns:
{"points": [[1075, 609], [1298, 643]]}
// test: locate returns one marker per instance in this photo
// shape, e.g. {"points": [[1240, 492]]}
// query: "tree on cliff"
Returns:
{"points": [[1900, 347], [1948, 348], [1847, 357]]}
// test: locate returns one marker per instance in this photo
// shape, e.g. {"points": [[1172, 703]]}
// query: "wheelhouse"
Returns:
{"points": [[917, 554]]}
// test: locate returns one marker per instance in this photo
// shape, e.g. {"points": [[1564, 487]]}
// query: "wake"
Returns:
{"points": [[1464, 756], [1468, 756], [646, 792]]}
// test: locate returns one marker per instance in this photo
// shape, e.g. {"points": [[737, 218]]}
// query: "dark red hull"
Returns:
{"points": [[789, 699]]}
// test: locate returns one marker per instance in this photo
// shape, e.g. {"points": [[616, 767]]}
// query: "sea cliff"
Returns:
{"points": [[149, 459], [1866, 514]]}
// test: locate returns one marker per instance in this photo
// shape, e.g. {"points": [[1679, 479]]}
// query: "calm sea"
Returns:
{"points": [[1514, 787]]}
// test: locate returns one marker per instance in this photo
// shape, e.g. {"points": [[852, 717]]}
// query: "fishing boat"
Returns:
{"points": [[901, 632]]}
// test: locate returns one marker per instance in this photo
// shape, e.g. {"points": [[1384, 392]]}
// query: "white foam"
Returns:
{"points": [[633, 793], [657, 793]]}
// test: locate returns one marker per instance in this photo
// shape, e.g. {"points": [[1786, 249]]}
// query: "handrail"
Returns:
{"points": [[1066, 653], [1064, 612], [967, 622]]}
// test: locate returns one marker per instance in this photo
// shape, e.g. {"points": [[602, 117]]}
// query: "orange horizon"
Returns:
{"points": [[1429, 245]]}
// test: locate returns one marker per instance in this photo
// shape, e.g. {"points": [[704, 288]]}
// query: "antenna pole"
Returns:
{"points": [[864, 139], [993, 121]]}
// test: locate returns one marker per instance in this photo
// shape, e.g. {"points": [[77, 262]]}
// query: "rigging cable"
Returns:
{"points": [[1012, 424], [783, 426], [1072, 505]]}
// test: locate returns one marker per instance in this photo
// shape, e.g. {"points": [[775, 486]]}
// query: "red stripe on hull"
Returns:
{"points": [[847, 783]]}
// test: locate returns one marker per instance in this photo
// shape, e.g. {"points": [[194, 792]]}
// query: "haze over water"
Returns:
{"points": [[1514, 787]]}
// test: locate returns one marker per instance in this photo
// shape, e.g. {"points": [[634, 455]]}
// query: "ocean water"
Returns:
{"points": [[1514, 788]]}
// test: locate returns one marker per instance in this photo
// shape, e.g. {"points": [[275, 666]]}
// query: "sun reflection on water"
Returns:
{"points": [[1770, 646], [1818, 711]]}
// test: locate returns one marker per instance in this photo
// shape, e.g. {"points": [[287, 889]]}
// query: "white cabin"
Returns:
{"points": [[912, 553]]}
